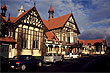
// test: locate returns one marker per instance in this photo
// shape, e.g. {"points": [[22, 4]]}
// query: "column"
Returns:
{"points": [[71, 37], [53, 49]]}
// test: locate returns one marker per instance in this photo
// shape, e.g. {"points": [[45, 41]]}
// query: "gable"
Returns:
{"points": [[32, 18], [71, 25]]}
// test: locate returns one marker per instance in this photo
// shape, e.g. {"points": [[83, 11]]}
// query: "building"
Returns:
{"points": [[97, 46], [21, 35], [62, 33]]}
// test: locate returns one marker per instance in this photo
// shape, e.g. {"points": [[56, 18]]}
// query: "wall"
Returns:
{"points": [[29, 51]]}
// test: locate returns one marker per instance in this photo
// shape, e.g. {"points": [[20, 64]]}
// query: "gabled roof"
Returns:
{"points": [[56, 22], [12, 19], [92, 42], [81, 41], [50, 36]]}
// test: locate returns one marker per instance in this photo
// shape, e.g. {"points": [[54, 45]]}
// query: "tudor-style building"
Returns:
{"points": [[62, 33], [97, 46], [23, 35]]}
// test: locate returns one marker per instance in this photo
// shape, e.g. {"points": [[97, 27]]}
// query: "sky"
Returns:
{"points": [[91, 16]]}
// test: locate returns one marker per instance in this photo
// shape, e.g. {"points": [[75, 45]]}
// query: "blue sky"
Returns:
{"points": [[92, 16]]}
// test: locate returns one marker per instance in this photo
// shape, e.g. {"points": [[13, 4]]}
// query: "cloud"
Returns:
{"points": [[100, 10], [95, 33], [108, 40], [102, 21]]}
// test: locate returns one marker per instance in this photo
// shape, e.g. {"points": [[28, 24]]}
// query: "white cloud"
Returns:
{"points": [[95, 33], [102, 21]]}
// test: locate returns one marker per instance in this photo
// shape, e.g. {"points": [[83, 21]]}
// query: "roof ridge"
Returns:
{"points": [[61, 16]]}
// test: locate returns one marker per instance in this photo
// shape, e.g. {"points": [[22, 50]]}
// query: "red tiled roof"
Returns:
{"points": [[92, 41], [51, 35], [81, 41], [7, 39], [51, 8], [56, 22], [12, 19], [4, 18], [4, 7]]}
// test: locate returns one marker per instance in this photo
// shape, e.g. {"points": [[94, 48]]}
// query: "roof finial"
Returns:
{"points": [[21, 10], [21, 6], [34, 4]]}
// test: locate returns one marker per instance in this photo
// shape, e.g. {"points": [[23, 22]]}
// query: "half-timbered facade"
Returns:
{"points": [[27, 30], [66, 31]]}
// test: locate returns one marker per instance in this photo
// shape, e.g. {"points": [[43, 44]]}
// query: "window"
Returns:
{"points": [[63, 38], [68, 39], [50, 47], [24, 43], [60, 37], [35, 41], [35, 44], [31, 39], [75, 39]]}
